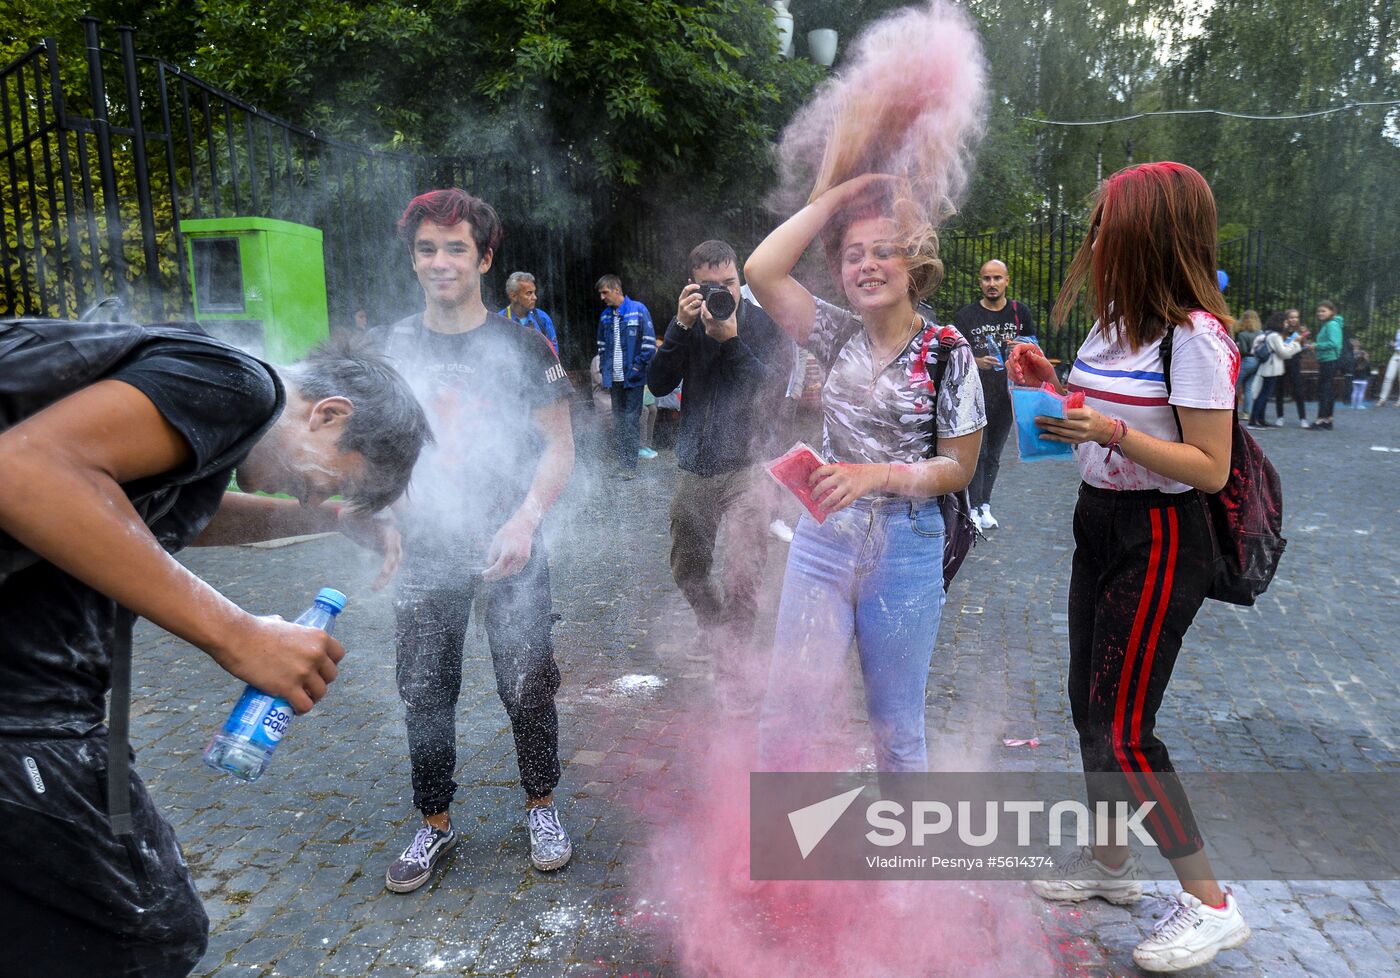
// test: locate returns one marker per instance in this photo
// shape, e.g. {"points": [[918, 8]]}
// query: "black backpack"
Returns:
{"points": [[1246, 516], [1346, 359], [959, 532], [45, 360], [41, 362]]}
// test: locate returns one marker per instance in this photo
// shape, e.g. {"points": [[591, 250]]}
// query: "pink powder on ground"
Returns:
{"points": [[722, 924]]}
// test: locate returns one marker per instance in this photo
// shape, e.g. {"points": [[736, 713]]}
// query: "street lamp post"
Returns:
{"points": [[783, 18]]}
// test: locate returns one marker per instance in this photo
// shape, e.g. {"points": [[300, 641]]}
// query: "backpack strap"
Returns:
{"points": [[119, 728], [1167, 375]]}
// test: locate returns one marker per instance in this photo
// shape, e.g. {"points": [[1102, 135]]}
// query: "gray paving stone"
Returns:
{"points": [[1305, 680]]}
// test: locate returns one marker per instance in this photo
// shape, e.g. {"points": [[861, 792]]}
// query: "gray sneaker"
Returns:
{"points": [[412, 869], [549, 843]]}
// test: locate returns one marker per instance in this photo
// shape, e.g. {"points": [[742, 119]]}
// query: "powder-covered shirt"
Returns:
{"points": [[481, 390], [892, 417], [1119, 382]]}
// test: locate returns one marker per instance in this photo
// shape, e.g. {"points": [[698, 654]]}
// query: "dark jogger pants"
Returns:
{"points": [[998, 406], [431, 612], [1326, 388], [75, 899], [1141, 570], [1293, 371]]}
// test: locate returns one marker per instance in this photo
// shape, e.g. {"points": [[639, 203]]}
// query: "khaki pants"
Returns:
{"points": [[741, 504]]}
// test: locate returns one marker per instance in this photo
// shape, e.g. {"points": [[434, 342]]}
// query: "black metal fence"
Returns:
{"points": [[97, 176], [1036, 258], [1265, 275], [103, 159]]}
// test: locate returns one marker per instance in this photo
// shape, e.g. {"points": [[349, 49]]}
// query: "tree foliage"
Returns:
{"points": [[671, 106], [633, 90]]}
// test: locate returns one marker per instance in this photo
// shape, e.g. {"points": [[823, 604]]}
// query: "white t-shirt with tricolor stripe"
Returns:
{"points": [[1121, 383]]}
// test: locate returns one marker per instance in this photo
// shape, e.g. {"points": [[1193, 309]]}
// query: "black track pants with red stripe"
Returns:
{"points": [[1141, 570]]}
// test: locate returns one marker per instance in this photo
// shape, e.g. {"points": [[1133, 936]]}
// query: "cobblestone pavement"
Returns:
{"points": [[291, 867]]}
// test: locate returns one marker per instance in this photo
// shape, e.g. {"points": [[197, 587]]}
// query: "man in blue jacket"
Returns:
{"points": [[524, 309], [626, 344], [735, 372]]}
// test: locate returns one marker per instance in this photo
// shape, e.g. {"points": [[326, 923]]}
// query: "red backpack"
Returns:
{"points": [[1246, 516]]}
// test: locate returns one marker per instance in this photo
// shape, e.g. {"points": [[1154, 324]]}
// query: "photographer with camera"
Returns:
{"points": [[734, 361]]}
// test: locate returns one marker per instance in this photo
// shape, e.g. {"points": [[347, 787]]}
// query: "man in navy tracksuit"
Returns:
{"points": [[626, 344]]}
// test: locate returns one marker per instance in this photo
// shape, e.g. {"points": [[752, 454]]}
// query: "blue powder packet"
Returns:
{"points": [[1027, 404]]}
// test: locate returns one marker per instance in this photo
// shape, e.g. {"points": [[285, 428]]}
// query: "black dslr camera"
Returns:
{"points": [[718, 300]]}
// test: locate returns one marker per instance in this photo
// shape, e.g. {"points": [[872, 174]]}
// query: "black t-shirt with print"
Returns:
{"points": [[57, 638], [983, 326], [481, 390]]}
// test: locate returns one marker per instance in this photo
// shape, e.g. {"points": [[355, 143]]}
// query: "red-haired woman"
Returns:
{"points": [[1142, 544]]}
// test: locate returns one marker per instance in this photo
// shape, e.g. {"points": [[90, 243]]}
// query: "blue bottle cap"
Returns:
{"points": [[330, 596]]}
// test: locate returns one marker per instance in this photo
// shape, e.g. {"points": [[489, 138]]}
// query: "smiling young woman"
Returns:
{"points": [[872, 569]]}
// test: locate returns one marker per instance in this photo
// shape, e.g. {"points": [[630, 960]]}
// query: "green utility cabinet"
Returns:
{"points": [[259, 284]]}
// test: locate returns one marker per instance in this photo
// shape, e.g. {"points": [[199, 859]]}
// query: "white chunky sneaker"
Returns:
{"points": [[550, 847], [1084, 877], [1191, 935], [988, 520]]}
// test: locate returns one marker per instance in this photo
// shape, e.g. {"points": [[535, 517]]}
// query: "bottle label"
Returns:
{"points": [[259, 719]]}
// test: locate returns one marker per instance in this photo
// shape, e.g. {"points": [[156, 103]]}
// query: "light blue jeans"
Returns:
{"points": [[872, 572]]}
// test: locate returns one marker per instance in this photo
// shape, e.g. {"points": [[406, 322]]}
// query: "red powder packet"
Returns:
{"points": [[793, 469]]}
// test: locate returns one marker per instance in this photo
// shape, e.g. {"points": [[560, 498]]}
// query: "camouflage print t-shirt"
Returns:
{"points": [[890, 418]]}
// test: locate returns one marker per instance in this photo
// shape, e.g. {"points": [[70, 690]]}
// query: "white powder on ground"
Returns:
{"points": [[634, 683]]}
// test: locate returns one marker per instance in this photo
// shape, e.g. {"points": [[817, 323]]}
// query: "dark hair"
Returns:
{"points": [[1274, 324], [711, 253], [608, 282], [1328, 303], [388, 427], [453, 206], [1155, 262]]}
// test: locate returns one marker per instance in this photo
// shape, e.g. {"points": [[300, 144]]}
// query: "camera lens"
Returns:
{"points": [[719, 301]]}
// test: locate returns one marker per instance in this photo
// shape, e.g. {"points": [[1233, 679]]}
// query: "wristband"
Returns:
{"points": [[1115, 440]]}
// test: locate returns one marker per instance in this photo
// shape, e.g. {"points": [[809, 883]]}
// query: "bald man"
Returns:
{"points": [[990, 324]]}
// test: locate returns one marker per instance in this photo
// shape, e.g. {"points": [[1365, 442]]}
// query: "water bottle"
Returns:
{"points": [[253, 730], [993, 349]]}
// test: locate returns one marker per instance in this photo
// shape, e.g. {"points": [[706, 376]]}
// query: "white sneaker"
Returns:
{"points": [[1084, 877], [550, 847], [781, 530], [1278, 422], [1191, 935], [1305, 423], [988, 520], [977, 519]]}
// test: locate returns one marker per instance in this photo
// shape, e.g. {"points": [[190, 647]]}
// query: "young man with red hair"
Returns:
{"points": [[498, 400]]}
